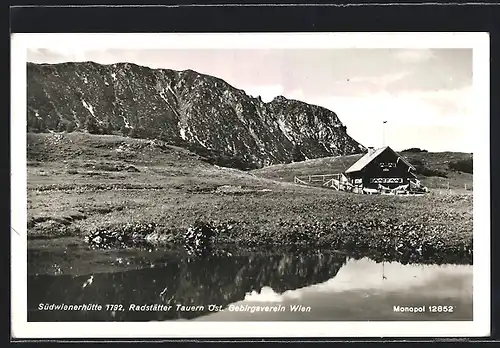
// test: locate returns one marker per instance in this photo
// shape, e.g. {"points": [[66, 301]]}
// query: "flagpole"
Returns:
{"points": [[383, 133]]}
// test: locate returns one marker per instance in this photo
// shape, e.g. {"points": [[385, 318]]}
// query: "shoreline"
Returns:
{"points": [[406, 243]]}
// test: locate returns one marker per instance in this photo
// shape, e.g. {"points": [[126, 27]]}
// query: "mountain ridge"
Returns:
{"points": [[197, 111]]}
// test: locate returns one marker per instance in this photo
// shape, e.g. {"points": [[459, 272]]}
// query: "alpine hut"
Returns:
{"points": [[382, 170]]}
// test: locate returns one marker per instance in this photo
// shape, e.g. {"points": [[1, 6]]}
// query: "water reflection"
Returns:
{"points": [[332, 286], [366, 290], [216, 280]]}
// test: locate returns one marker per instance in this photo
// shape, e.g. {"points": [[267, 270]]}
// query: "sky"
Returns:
{"points": [[425, 95]]}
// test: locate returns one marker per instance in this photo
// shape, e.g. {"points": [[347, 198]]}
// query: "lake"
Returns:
{"points": [[69, 282]]}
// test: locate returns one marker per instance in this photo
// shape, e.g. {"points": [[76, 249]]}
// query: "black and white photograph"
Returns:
{"points": [[217, 183]]}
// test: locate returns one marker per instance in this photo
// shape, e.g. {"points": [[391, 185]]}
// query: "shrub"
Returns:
{"points": [[297, 154], [61, 125], [464, 165], [132, 133], [417, 162], [138, 132], [426, 171], [65, 126], [35, 125], [414, 149], [107, 127], [70, 127], [124, 130], [117, 235], [91, 125]]}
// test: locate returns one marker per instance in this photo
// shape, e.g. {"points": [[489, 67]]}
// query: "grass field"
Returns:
{"points": [[78, 183]]}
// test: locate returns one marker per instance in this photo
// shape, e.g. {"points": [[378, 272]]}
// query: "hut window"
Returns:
{"points": [[387, 165], [386, 180]]}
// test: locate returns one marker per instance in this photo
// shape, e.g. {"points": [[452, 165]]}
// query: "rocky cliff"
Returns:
{"points": [[186, 108]]}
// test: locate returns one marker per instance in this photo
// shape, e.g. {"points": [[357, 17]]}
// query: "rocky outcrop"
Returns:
{"points": [[196, 111]]}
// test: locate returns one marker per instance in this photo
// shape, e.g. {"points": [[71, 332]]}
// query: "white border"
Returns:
{"points": [[480, 326]]}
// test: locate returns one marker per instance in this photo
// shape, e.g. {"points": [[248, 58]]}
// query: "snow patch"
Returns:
{"points": [[183, 130], [285, 130], [255, 137], [170, 89], [199, 141], [238, 109], [183, 133], [85, 80], [89, 107], [125, 121], [113, 76], [162, 95]]}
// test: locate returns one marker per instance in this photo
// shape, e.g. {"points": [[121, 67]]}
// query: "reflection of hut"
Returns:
{"points": [[382, 170]]}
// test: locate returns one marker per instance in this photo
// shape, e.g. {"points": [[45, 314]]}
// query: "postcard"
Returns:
{"points": [[250, 185]]}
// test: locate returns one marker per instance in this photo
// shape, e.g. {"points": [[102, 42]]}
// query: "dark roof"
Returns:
{"points": [[370, 156]]}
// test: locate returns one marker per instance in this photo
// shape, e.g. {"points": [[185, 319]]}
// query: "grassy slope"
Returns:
{"points": [[90, 177], [79, 182], [329, 165]]}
